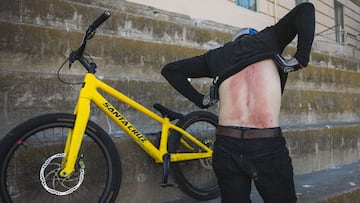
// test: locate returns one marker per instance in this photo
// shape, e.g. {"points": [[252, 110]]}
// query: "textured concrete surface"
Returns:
{"points": [[319, 114]]}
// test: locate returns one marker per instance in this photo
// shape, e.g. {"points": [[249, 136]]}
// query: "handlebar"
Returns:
{"points": [[102, 18], [90, 32]]}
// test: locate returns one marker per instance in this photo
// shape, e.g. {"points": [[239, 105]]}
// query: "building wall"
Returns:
{"points": [[270, 11]]}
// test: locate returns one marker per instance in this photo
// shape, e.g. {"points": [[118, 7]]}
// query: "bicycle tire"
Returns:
{"points": [[195, 177], [30, 159]]}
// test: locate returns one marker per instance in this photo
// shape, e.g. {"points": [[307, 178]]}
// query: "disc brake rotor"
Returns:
{"points": [[53, 182]]}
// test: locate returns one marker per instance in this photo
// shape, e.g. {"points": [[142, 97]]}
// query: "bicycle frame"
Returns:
{"points": [[89, 94]]}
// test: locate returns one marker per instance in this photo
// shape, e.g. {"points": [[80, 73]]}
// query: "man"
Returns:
{"points": [[249, 143]]}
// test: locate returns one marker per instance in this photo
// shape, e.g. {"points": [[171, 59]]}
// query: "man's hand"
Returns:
{"points": [[212, 97], [287, 65], [208, 101]]}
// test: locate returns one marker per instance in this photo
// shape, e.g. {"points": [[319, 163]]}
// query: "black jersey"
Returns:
{"points": [[233, 57]]}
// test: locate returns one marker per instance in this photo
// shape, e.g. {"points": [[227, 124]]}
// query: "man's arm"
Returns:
{"points": [[180, 82], [177, 74], [299, 21]]}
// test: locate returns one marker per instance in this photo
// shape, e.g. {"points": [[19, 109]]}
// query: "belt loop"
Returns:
{"points": [[243, 130]]}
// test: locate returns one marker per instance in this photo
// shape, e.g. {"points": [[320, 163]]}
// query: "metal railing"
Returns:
{"points": [[344, 45]]}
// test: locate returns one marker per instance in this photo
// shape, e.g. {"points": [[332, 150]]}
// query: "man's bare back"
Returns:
{"points": [[252, 97]]}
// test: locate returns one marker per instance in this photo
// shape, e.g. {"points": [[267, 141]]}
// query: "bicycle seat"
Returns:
{"points": [[165, 112]]}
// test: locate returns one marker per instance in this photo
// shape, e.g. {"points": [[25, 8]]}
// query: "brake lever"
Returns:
{"points": [[90, 33], [74, 55]]}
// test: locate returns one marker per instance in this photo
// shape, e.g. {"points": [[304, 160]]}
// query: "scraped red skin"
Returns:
{"points": [[250, 80]]}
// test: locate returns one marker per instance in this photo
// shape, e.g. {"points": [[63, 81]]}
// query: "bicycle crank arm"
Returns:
{"points": [[166, 166]]}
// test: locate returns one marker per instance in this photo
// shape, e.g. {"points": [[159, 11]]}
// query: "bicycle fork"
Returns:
{"points": [[75, 136]]}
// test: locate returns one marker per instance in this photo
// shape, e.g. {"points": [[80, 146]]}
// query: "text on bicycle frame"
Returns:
{"points": [[125, 122]]}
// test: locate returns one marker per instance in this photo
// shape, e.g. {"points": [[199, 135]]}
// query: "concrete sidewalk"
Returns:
{"points": [[339, 184]]}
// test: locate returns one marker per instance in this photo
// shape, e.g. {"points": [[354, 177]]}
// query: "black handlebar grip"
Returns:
{"points": [[100, 20]]}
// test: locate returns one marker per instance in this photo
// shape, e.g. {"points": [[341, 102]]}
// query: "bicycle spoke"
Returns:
{"points": [[33, 164]]}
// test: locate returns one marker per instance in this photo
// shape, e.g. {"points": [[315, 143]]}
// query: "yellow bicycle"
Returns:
{"points": [[63, 157]]}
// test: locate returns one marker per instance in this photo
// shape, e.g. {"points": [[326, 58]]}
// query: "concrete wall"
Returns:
{"points": [[319, 110]]}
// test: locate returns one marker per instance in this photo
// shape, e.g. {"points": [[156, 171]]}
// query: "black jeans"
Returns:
{"points": [[266, 161]]}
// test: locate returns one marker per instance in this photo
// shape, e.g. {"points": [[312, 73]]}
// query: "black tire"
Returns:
{"points": [[24, 156], [196, 177]]}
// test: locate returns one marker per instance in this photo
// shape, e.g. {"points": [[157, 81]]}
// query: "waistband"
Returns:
{"points": [[248, 133]]}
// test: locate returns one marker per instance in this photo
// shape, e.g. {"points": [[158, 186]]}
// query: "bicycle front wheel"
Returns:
{"points": [[195, 177], [30, 162]]}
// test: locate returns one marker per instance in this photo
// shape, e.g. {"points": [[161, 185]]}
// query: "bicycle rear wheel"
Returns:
{"points": [[30, 161], [195, 177]]}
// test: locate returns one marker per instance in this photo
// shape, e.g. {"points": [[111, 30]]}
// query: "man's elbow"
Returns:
{"points": [[168, 70]]}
